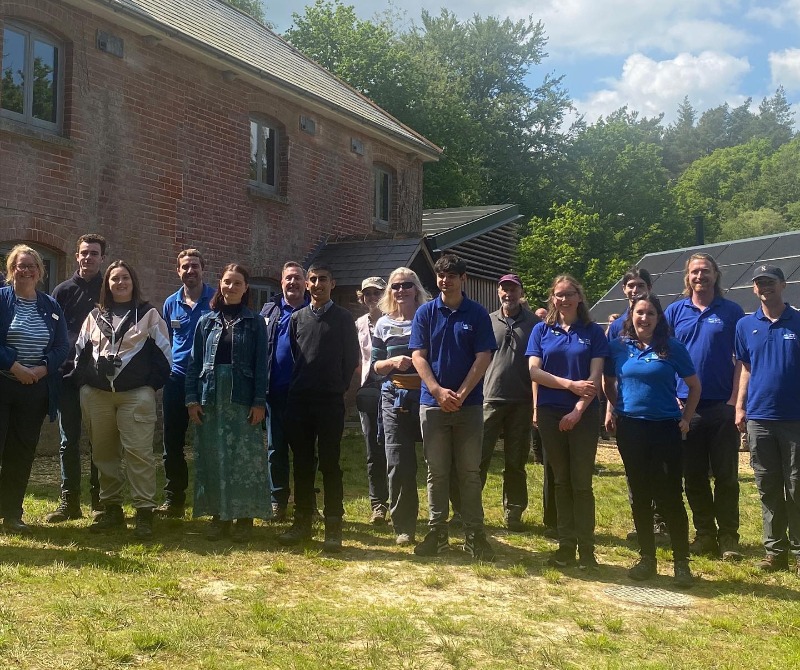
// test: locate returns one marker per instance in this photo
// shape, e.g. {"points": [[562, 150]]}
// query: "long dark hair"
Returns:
{"points": [[107, 298], [660, 343], [217, 301]]}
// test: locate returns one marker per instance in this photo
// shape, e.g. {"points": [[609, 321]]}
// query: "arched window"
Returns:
{"points": [[32, 76]]}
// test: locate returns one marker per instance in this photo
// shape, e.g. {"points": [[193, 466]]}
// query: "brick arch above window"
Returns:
{"points": [[32, 74]]}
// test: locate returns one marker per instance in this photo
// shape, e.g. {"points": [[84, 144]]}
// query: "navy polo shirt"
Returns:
{"points": [[709, 335], [181, 323], [772, 350], [452, 338], [566, 354], [283, 361], [616, 325], [645, 382]]}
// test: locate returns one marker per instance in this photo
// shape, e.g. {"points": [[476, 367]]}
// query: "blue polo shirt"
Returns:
{"points": [[283, 361], [646, 383], [616, 325], [452, 338], [772, 350], [566, 354], [181, 323], [709, 335]]}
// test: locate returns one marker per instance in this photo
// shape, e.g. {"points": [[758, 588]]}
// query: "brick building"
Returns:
{"points": [[163, 124]]}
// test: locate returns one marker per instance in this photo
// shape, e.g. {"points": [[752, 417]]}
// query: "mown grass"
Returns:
{"points": [[69, 599]]}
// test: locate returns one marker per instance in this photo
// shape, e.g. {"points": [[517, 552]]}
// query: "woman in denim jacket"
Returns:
{"points": [[33, 345], [226, 388]]}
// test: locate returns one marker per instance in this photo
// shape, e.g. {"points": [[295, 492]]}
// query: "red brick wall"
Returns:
{"points": [[157, 160]]}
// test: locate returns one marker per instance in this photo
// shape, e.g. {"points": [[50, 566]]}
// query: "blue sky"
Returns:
{"points": [[647, 54]]}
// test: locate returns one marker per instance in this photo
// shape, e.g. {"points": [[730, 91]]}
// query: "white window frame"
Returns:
{"points": [[262, 291], [382, 182], [260, 182], [32, 34]]}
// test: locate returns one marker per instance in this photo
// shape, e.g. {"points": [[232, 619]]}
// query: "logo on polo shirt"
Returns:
{"points": [[790, 336], [585, 341], [714, 319], [466, 326]]}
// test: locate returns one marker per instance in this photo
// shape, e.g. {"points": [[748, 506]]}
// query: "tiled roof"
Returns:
{"points": [[736, 261], [353, 261], [224, 30]]}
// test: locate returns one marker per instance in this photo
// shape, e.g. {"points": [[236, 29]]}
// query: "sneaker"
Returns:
{"points": [[562, 557], [242, 530], [404, 539], [170, 509], [645, 568], [704, 545], [729, 548], [300, 530], [278, 512], [774, 563], [683, 575], [333, 535], [477, 546], [513, 519], [112, 518], [217, 529], [378, 517], [69, 508], [587, 561], [144, 524], [435, 542]]}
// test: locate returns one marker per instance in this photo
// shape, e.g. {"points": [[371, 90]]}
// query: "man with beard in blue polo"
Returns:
{"points": [[452, 343], [705, 323], [768, 408]]}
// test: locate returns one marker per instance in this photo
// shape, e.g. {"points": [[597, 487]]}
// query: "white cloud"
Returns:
{"points": [[776, 16], [652, 87], [785, 69]]}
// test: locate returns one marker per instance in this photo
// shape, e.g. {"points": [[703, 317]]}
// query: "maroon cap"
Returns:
{"points": [[510, 277]]}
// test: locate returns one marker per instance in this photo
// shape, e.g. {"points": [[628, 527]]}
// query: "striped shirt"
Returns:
{"points": [[390, 338], [28, 333]]}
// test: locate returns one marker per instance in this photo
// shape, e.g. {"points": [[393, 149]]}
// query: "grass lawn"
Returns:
{"points": [[69, 599]]}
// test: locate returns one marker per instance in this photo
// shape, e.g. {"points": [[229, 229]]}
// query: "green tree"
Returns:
{"points": [[752, 223], [680, 140], [254, 8]]}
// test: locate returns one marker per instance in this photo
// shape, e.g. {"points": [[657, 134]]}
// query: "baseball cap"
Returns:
{"points": [[768, 272], [373, 282], [510, 277]]}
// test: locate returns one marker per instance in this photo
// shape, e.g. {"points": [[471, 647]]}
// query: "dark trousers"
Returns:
{"points": [[176, 423], [713, 440], [571, 454], [314, 427], [514, 420], [368, 401], [69, 453], [549, 514], [401, 429], [278, 449], [651, 453], [22, 412], [775, 457]]}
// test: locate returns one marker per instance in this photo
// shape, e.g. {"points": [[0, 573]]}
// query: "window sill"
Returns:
{"points": [[260, 192], [380, 226], [11, 127]]}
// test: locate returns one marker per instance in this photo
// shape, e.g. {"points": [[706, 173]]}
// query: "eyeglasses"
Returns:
{"points": [[565, 294], [26, 268], [402, 285]]}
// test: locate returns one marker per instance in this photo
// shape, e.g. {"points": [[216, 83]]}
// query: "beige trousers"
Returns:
{"points": [[121, 427]]}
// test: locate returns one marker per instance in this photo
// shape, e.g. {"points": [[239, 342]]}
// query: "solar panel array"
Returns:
{"points": [[737, 260]]}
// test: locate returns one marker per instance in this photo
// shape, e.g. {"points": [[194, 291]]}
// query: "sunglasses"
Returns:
{"points": [[402, 284]]}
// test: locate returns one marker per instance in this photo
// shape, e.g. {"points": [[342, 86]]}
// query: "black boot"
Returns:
{"points": [[113, 518], [333, 535], [300, 530], [68, 508], [144, 524]]}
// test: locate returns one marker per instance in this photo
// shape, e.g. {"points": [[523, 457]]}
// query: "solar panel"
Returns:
{"points": [[660, 262], [785, 246], [743, 251], [669, 283]]}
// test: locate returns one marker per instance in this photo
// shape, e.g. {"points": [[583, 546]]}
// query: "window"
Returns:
{"points": [[32, 79], [50, 260], [264, 154], [261, 292], [383, 200]]}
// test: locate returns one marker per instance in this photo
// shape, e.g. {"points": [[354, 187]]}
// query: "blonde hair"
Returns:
{"points": [[700, 256], [388, 304], [552, 313], [16, 252]]}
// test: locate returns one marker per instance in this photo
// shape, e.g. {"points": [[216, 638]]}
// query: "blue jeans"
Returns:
{"points": [[713, 440], [69, 453], [775, 457], [368, 409], [401, 433], [176, 423], [453, 440], [278, 449], [571, 454]]}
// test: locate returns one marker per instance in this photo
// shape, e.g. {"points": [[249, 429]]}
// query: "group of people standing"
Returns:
{"points": [[443, 371]]}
